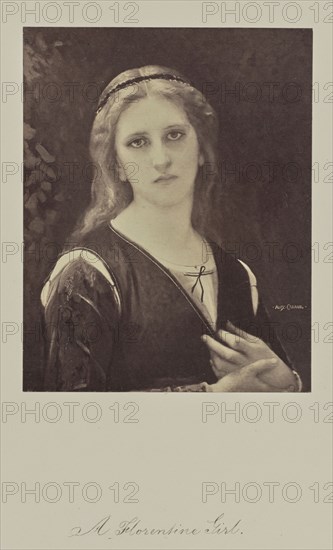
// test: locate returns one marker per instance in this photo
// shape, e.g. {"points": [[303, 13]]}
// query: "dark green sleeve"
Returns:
{"points": [[268, 333], [80, 327]]}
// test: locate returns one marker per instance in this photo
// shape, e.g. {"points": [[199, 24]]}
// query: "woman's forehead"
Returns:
{"points": [[151, 113]]}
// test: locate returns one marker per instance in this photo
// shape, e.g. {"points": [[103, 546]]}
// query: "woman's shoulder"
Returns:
{"points": [[236, 273], [231, 263], [79, 272]]}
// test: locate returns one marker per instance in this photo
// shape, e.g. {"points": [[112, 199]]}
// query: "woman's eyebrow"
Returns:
{"points": [[137, 133], [177, 125], [145, 133]]}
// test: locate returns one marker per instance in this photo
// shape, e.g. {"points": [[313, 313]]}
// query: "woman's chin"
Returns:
{"points": [[167, 202], [168, 197]]}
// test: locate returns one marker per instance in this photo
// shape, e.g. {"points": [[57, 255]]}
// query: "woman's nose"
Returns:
{"points": [[160, 156]]}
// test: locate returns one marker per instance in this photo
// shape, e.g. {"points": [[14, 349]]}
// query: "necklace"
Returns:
{"points": [[198, 276]]}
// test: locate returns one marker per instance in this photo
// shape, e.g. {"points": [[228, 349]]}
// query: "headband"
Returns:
{"points": [[164, 76]]}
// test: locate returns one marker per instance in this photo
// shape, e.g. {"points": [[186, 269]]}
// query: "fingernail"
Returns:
{"points": [[273, 361], [204, 338]]}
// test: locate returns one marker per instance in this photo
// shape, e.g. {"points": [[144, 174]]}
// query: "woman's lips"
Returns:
{"points": [[165, 179]]}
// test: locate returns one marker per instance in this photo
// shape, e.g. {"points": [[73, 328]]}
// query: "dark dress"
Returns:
{"points": [[141, 333]]}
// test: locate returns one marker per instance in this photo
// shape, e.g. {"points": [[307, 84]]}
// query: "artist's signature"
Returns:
{"points": [[136, 527], [288, 307]]}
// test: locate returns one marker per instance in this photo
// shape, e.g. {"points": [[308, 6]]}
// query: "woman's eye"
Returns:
{"points": [[175, 135], [137, 143]]}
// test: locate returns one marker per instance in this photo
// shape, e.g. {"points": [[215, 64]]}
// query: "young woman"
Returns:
{"points": [[146, 300]]}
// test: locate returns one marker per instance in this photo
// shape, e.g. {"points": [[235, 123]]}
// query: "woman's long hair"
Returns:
{"points": [[110, 195]]}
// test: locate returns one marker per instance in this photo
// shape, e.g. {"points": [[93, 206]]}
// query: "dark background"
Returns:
{"points": [[265, 136]]}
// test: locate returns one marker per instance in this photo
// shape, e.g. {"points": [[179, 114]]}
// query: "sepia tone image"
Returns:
{"points": [[167, 210]]}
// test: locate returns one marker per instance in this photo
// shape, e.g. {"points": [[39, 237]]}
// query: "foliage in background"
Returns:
{"points": [[53, 183]]}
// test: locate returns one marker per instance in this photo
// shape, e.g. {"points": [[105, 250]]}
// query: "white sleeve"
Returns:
{"points": [[79, 253], [253, 286]]}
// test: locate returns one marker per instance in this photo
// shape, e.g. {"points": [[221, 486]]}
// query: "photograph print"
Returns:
{"points": [[167, 209]]}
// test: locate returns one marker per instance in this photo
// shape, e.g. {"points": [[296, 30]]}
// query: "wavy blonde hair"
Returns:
{"points": [[109, 195]]}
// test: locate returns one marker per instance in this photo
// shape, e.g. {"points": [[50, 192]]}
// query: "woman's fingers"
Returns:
{"points": [[234, 341], [237, 339], [241, 334], [221, 367], [222, 351], [246, 379], [253, 374], [258, 367]]}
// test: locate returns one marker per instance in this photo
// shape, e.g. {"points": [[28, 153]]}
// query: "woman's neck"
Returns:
{"points": [[165, 232]]}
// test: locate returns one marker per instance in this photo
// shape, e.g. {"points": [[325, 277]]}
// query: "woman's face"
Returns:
{"points": [[157, 151]]}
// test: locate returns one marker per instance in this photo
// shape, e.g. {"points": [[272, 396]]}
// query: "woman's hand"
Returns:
{"points": [[247, 379], [238, 349]]}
